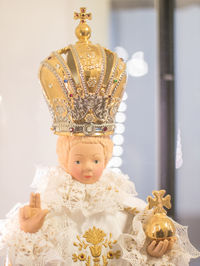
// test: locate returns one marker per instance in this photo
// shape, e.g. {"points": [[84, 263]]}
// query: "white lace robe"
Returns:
{"points": [[96, 224]]}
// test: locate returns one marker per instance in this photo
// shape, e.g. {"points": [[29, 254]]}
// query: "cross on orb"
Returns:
{"points": [[159, 201], [82, 15]]}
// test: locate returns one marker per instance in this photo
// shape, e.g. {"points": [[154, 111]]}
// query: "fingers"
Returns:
{"points": [[24, 213], [32, 200], [164, 247], [27, 212], [35, 200], [152, 245], [158, 250], [171, 243], [34, 224]]}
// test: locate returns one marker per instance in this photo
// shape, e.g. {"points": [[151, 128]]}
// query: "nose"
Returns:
{"points": [[88, 166]]}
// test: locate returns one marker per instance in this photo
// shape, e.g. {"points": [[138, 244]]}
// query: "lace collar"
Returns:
{"points": [[59, 190]]}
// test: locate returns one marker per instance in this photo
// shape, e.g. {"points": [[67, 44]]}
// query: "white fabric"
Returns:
{"points": [[76, 208]]}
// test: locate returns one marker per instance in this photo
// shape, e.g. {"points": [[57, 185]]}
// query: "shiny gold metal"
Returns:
{"points": [[159, 226], [82, 15], [159, 201], [83, 31], [83, 85]]}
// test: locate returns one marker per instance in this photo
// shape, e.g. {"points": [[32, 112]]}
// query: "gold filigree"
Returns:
{"points": [[92, 81], [96, 239], [80, 91], [89, 118]]}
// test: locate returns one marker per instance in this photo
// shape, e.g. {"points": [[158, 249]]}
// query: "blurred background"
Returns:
{"points": [[31, 30]]}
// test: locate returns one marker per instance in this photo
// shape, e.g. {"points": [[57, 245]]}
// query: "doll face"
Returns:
{"points": [[86, 162]]}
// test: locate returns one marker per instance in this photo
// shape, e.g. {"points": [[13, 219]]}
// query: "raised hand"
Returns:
{"points": [[159, 249], [31, 217]]}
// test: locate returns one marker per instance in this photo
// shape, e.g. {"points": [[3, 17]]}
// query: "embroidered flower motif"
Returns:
{"points": [[110, 255], [94, 236], [82, 257]]}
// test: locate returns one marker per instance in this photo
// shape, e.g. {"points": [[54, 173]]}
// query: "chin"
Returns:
{"points": [[87, 180]]}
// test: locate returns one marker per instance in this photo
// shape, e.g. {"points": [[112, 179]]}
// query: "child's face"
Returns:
{"points": [[86, 162]]}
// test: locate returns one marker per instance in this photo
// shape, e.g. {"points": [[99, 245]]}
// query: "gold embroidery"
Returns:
{"points": [[94, 236], [105, 261], [81, 244], [112, 188], [88, 261], [74, 257], [110, 255], [82, 257], [96, 239], [131, 210]]}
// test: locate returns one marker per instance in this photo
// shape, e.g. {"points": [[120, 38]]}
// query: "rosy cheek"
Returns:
{"points": [[99, 171], [75, 171]]}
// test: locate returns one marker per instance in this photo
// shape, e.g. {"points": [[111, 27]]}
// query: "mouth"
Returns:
{"points": [[87, 176]]}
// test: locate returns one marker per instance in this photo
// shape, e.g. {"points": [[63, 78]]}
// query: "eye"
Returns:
{"points": [[77, 162], [96, 161]]}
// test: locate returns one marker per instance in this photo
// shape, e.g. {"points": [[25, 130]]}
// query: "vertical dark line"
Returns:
{"points": [[166, 146]]}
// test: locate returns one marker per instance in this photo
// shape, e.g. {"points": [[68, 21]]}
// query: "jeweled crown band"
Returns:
{"points": [[83, 130]]}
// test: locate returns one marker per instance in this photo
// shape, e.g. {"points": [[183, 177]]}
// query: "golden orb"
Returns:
{"points": [[160, 227], [83, 32]]}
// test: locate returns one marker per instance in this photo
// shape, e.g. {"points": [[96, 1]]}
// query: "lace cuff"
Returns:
{"points": [[134, 246], [38, 249]]}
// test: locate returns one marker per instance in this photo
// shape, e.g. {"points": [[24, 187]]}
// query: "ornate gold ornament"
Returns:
{"points": [[83, 85], [95, 240], [159, 226]]}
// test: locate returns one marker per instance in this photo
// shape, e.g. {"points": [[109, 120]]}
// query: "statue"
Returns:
{"points": [[83, 213]]}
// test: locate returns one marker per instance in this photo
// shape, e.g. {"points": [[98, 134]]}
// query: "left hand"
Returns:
{"points": [[159, 249]]}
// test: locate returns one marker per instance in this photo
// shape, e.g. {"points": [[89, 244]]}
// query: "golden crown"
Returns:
{"points": [[83, 85]]}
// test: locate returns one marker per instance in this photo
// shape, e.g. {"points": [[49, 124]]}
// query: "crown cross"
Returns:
{"points": [[82, 15], [159, 201]]}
